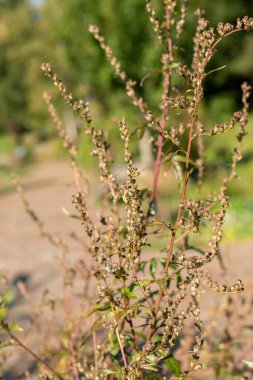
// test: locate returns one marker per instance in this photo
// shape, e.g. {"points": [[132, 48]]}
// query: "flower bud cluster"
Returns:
{"points": [[137, 101], [173, 136], [93, 29], [206, 277], [67, 143], [238, 117], [90, 228], [190, 223], [172, 329], [188, 75], [177, 102], [47, 69], [154, 20], [245, 23], [132, 198], [81, 108], [180, 23], [156, 124]]}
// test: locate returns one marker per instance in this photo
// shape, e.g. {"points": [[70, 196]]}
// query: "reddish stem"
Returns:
{"points": [[173, 235], [166, 84]]}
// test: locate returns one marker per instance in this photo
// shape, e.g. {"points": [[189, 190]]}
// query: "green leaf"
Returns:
{"points": [[173, 365], [162, 283], [113, 342], [152, 267], [173, 65], [95, 308], [138, 284], [139, 131], [15, 327], [182, 159], [123, 231], [120, 314], [150, 358], [8, 297], [136, 356], [156, 338], [153, 208], [126, 292], [96, 325], [141, 335], [179, 280], [141, 266], [3, 312]]}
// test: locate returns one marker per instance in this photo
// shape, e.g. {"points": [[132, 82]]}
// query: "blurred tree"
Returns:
{"points": [[57, 31], [126, 30], [24, 44]]}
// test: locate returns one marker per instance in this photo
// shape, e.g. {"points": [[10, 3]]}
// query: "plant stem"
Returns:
{"points": [[121, 347], [174, 231], [35, 356], [94, 338], [167, 84]]}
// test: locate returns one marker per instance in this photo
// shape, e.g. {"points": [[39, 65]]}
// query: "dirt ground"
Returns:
{"points": [[27, 257]]}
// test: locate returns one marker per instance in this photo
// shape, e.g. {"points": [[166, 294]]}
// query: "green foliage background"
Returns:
{"points": [[56, 31]]}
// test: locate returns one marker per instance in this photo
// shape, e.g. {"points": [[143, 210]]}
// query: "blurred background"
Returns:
{"points": [[56, 31]]}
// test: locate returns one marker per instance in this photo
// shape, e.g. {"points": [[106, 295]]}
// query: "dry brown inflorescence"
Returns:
{"points": [[143, 305]]}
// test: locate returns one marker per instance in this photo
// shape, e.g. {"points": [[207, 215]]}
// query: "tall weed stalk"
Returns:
{"points": [[145, 307]]}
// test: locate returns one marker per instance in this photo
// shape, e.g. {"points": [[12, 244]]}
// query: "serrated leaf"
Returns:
{"points": [[173, 365]]}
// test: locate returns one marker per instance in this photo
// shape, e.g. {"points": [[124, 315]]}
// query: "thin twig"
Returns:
{"points": [[167, 81], [35, 356]]}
